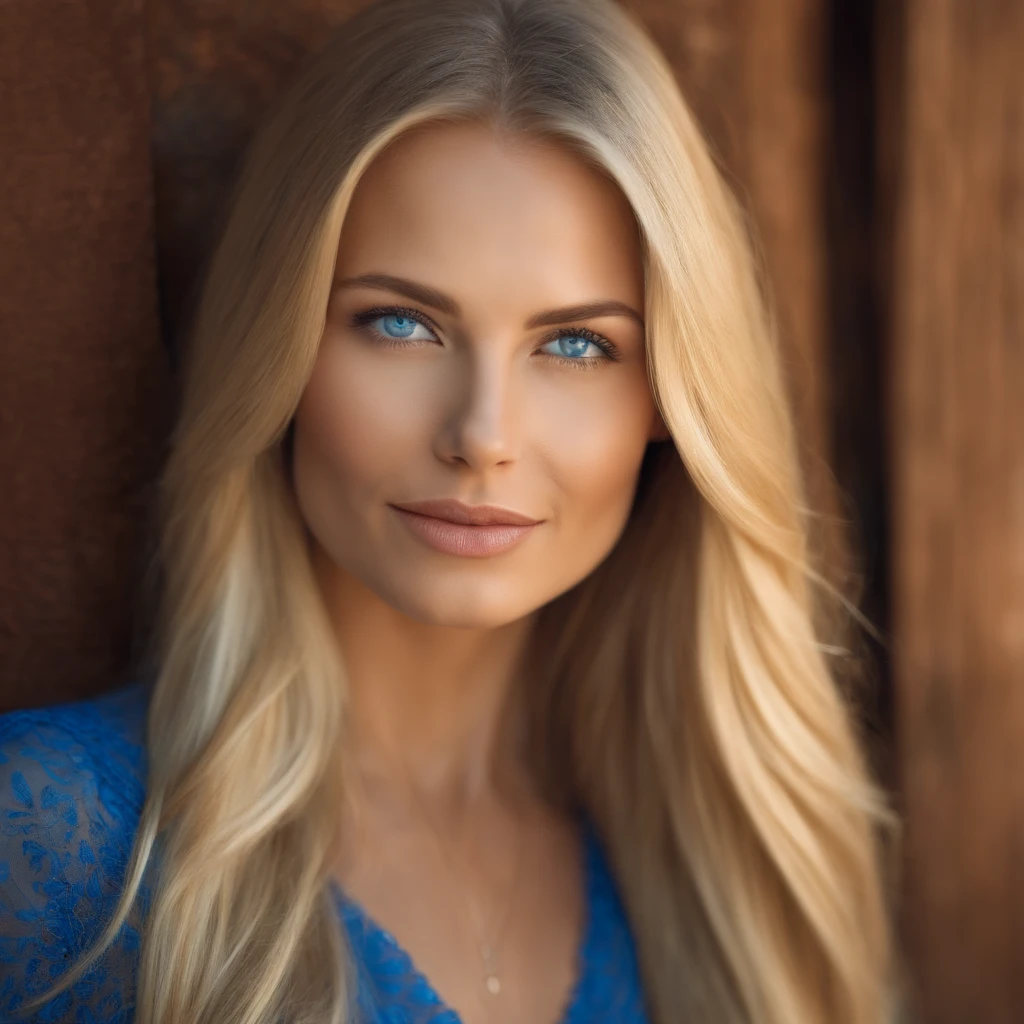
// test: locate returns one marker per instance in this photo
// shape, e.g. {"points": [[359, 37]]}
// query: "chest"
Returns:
{"points": [[493, 940]]}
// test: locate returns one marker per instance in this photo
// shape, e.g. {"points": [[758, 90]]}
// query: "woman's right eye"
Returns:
{"points": [[394, 326]]}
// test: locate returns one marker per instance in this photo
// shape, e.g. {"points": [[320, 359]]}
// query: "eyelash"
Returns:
{"points": [[368, 316]]}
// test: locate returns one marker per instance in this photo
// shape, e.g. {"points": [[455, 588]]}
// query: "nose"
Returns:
{"points": [[482, 425]]}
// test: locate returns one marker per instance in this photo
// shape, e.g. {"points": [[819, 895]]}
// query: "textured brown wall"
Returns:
{"points": [[957, 411], [83, 377], [215, 65]]}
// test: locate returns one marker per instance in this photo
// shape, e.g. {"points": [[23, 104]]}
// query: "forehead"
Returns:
{"points": [[463, 203]]}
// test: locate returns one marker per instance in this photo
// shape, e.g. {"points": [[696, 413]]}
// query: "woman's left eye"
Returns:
{"points": [[572, 347]]}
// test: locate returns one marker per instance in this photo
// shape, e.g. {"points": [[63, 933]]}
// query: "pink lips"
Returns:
{"points": [[473, 531]]}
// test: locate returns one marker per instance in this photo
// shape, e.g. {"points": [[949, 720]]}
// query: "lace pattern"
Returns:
{"points": [[72, 784]]}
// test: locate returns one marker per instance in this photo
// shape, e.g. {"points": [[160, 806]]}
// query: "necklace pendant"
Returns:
{"points": [[493, 985]]}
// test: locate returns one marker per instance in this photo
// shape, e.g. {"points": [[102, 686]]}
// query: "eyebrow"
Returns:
{"points": [[445, 304]]}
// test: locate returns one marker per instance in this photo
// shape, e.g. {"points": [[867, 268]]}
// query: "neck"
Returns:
{"points": [[435, 706]]}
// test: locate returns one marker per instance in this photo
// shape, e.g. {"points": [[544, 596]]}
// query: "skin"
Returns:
{"points": [[445, 821]]}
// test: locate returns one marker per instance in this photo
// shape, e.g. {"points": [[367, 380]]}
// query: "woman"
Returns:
{"points": [[490, 677]]}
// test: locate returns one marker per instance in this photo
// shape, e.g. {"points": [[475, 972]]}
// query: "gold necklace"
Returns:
{"points": [[487, 950]]}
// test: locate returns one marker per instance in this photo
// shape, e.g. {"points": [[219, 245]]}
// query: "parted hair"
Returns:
{"points": [[687, 694]]}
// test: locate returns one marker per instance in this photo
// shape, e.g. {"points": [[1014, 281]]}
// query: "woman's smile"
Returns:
{"points": [[466, 539]]}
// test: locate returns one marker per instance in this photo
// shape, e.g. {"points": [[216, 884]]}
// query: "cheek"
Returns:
{"points": [[345, 431], [598, 481], [595, 456]]}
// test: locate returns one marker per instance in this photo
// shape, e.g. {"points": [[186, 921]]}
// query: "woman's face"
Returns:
{"points": [[484, 344]]}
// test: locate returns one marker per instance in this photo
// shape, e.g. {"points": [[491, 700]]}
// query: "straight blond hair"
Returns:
{"points": [[686, 694]]}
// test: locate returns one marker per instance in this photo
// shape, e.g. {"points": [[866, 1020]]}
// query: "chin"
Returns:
{"points": [[464, 604]]}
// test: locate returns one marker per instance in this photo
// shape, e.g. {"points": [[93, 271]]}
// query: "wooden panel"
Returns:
{"points": [[958, 502], [83, 383], [215, 66]]}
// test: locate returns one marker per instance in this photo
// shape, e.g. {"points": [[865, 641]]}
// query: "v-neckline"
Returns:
{"points": [[354, 912]]}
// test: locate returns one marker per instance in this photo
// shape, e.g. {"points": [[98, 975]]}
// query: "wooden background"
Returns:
{"points": [[880, 148]]}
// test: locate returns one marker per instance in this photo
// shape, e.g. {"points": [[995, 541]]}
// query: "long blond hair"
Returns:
{"points": [[685, 693]]}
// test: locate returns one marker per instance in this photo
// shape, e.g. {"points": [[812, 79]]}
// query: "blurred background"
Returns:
{"points": [[879, 148]]}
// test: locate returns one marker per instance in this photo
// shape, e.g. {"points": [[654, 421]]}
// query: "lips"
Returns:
{"points": [[469, 515], [469, 531]]}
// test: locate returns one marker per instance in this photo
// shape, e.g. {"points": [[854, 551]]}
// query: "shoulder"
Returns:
{"points": [[72, 785], [86, 755]]}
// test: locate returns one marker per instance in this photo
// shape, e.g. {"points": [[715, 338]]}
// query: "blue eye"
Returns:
{"points": [[398, 326], [572, 345], [391, 326], [401, 326]]}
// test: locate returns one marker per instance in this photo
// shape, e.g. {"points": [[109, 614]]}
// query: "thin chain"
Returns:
{"points": [[487, 950]]}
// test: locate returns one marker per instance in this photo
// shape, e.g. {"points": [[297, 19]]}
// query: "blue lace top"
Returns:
{"points": [[72, 782]]}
